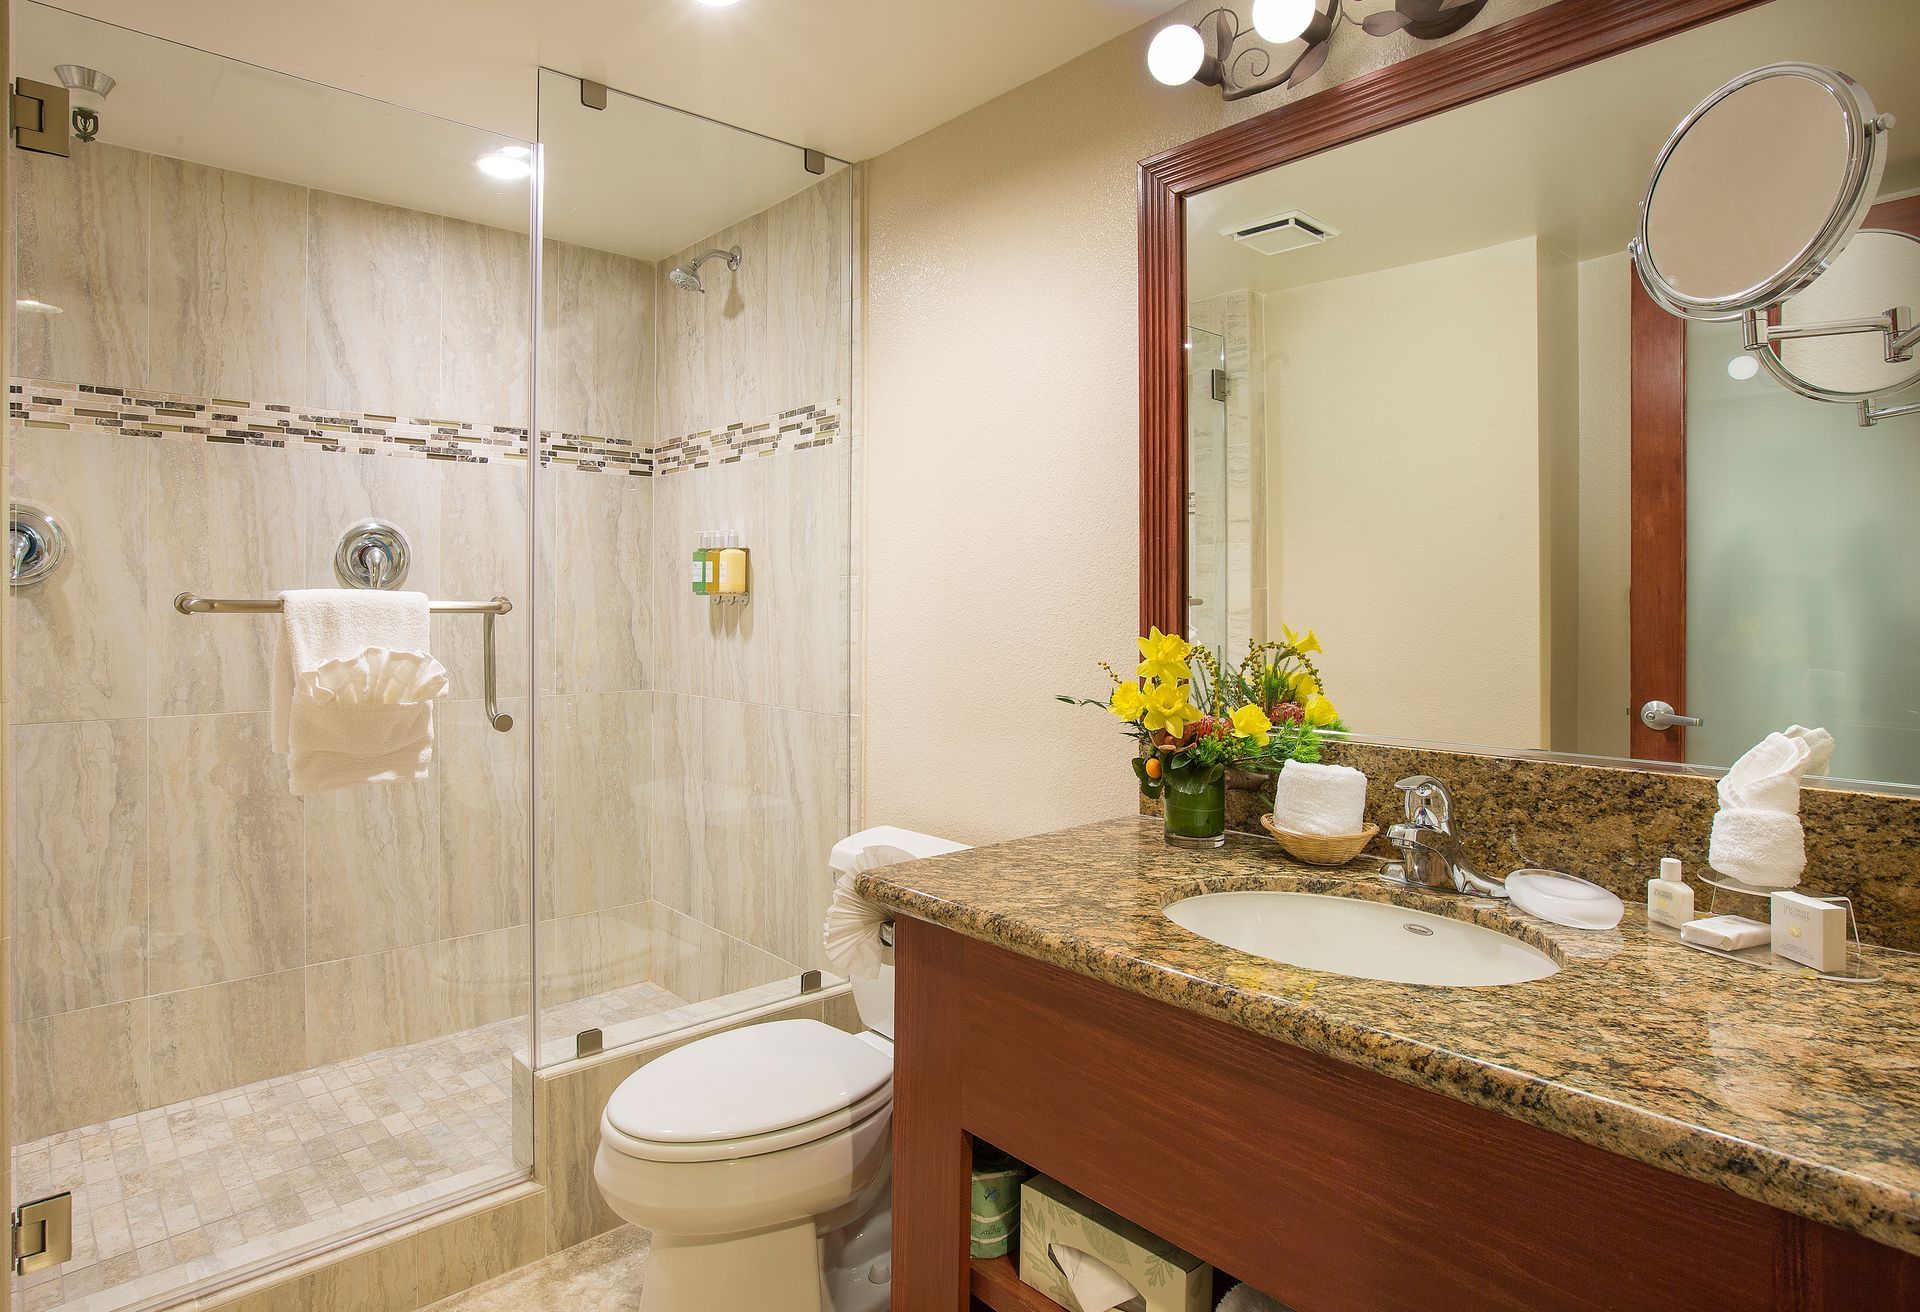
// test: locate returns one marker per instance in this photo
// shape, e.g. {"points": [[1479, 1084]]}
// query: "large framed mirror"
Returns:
{"points": [[1525, 504]]}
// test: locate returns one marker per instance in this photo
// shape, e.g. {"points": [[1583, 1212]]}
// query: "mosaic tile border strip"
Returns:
{"points": [[801, 429], [146, 412]]}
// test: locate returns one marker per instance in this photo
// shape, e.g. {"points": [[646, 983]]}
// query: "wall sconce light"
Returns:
{"points": [[1204, 52]]}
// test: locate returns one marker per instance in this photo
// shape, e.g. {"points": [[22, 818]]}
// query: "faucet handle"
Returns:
{"points": [[1427, 801]]}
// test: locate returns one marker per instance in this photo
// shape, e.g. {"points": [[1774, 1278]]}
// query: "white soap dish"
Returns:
{"points": [[1564, 899]]}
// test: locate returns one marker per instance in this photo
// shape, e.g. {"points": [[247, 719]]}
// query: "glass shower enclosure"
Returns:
{"points": [[260, 323]]}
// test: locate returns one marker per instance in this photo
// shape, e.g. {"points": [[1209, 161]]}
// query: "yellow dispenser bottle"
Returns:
{"points": [[733, 567]]}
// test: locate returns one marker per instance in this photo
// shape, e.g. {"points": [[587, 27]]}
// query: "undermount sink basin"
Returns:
{"points": [[1367, 940]]}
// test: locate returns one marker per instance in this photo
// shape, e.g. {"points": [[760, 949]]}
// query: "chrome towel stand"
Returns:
{"points": [[189, 604]]}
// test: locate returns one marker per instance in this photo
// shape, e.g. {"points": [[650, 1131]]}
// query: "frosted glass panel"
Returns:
{"points": [[1801, 538]]}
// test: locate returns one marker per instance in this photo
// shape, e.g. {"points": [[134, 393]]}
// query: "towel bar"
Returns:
{"points": [[188, 603]]}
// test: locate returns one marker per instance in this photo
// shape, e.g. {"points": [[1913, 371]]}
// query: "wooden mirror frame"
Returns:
{"points": [[1538, 45]]}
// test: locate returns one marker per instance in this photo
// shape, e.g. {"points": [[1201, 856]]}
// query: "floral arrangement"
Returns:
{"points": [[1194, 718]]}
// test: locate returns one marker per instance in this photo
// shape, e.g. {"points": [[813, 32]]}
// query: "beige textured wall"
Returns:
{"points": [[1000, 467], [1398, 473]]}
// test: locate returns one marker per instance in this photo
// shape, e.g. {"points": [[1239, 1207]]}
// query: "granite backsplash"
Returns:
{"points": [[1613, 823]]}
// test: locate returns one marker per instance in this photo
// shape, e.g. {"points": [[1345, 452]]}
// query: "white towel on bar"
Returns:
{"points": [[353, 688]]}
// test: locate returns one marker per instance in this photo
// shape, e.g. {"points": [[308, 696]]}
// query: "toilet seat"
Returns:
{"points": [[750, 1091], [877, 1103]]}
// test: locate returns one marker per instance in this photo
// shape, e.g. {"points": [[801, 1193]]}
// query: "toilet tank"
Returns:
{"points": [[882, 845]]}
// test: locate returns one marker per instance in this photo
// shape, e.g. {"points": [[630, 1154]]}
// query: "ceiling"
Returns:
{"points": [[1566, 158], [850, 77]]}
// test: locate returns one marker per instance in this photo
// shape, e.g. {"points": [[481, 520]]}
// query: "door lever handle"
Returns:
{"points": [[1659, 715]]}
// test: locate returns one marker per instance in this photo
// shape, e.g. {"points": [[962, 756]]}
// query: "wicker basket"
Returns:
{"points": [[1320, 849]]}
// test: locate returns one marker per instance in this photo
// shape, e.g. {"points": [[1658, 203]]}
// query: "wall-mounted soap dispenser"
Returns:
{"points": [[731, 582]]}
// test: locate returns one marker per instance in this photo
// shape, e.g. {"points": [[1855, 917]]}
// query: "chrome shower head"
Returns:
{"points": [[687, 276]]}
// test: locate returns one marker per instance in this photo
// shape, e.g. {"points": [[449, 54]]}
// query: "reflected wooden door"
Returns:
{"points": [[1657, 610]]}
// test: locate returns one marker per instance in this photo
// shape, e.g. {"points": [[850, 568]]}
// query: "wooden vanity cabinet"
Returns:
{"points": [[1332, 1187]]}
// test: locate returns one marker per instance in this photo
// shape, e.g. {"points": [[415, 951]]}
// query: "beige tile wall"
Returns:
{"points": [[174, 889], [751, 709]]}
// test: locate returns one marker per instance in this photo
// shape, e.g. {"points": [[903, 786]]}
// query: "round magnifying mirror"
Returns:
{"points": [[1757, 190], [1878, 270]]}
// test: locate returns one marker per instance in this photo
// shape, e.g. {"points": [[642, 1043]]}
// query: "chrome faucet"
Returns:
{"points": [[1432, 855]]}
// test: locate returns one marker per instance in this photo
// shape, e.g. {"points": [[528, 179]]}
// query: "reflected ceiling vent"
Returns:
{"points": [[1283, 232]]}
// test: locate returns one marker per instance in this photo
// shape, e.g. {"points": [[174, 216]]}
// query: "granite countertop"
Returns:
{"points": [[1800, 1093]]}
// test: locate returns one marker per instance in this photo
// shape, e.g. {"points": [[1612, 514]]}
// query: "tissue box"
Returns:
{"points": [[1165, 1278]]}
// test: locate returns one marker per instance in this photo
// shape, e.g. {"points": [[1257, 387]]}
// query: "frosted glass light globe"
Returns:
{"points": [[1176, 54], [1281, 21]]}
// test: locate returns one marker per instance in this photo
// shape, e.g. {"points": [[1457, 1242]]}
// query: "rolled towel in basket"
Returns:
{"points": [[1320, 799]]}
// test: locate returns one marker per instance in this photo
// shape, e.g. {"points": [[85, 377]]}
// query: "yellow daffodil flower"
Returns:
{"points": [[1305, 645], [1252, 722], [1319, 711], [1168, 708], [1128, 702], [1302, 686], [1163, 656]]}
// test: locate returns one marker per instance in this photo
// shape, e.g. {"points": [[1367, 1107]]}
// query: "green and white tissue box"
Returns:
{"points": [[1166, 1278]]}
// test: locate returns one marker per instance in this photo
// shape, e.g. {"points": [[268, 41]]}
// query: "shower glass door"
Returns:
{"points": [[251, 314], [1207, 554], [695, 344]]}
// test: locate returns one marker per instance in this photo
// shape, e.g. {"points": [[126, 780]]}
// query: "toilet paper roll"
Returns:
{"points": [[1096, 1286]]}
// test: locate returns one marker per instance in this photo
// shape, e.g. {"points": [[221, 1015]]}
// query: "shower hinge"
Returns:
{"points": [[42, 1233], [38, 113], [593, 94], [1219, 384], [809, 981], [815, 160], [588, 1043]]}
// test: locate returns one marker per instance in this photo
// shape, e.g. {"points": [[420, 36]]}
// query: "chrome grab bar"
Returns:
{"points": [[188, 603]]}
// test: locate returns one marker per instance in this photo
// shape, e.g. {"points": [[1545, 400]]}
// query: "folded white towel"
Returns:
{"points": [[851, 937], [1245, 1298], [1767, 778], [353, 688], [1320, 799], [1757, 838], [1819, 747], [1767, 849]]}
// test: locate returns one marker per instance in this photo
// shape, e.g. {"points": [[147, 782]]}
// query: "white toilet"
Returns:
{"points": [[759, 1157]]}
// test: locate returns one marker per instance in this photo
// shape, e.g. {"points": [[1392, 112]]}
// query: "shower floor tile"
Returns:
{"points": [[180, 1194]]}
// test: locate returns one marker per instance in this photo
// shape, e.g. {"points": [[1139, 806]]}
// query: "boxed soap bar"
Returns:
{"points": [[1058, 1225], [1809, 931]]}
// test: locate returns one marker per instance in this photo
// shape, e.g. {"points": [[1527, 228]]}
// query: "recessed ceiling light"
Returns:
{"points": [[719, 4], [1742, 367], [509, 163]]}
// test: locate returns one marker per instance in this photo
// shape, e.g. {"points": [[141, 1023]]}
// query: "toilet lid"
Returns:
{"points": [[753, 1080]]}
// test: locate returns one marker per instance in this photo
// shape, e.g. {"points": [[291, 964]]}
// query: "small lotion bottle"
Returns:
{"points": [[733, 566], [700, 568], [710, 560], [1669, 899]]}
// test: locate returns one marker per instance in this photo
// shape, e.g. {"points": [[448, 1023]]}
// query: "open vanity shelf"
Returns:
{"points": [[996, 1284]]}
